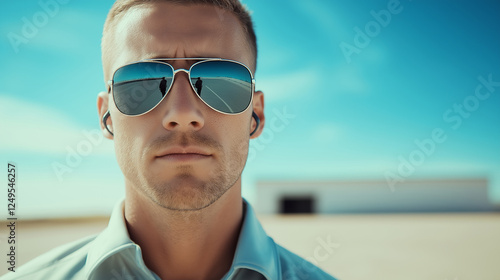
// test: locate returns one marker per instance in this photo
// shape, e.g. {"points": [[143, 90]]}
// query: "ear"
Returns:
{"points": [[258, 108], [102, 108]]}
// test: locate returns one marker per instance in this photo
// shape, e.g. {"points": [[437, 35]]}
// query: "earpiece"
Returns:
{"points": [[104, 120], [257, 120]]}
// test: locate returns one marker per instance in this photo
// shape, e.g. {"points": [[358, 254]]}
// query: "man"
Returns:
{"points": [[182, 155], [163, 86], [198, 85]]}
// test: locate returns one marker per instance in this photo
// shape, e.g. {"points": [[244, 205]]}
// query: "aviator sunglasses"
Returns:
{"points": [[224, 85]]}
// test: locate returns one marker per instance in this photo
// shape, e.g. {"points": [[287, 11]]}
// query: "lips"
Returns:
{"points": [[184, 153]]}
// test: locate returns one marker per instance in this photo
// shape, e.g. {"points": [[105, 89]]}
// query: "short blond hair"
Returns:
{"points": [[234, 6]]}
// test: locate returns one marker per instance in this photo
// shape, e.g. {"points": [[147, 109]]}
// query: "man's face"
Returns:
{"points": [[149, 147]]}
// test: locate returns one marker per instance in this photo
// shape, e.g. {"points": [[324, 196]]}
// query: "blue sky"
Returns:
{"points": [[335, 114]]}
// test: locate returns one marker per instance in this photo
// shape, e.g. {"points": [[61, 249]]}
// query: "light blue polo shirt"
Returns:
{"points": [[112, 255]]}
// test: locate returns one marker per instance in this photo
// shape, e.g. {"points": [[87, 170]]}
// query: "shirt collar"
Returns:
{"points": [[255, 250], [113, 245]]}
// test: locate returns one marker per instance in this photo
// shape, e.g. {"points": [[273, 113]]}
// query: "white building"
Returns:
{"points": [[444, 195]]}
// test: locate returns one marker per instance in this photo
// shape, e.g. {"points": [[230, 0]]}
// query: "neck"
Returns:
{"points": [[186, 244]]}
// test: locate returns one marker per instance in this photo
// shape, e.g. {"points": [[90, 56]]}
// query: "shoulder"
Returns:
{"points": [[294, 267], [64, 262]]}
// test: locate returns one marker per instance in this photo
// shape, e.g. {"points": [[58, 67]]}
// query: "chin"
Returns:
{"points": [[186, 193]]}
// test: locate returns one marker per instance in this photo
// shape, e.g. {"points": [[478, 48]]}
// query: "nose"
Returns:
{"points": [[181, 107]]}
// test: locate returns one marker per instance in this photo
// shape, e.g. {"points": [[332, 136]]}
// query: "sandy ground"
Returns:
{"points": [[357, 247]]}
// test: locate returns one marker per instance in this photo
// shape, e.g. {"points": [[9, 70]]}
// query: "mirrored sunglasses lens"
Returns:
{"points": [[139, 87], [225, 86]]}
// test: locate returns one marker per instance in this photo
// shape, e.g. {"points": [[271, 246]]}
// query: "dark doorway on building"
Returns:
{"points": [[297, 205]]}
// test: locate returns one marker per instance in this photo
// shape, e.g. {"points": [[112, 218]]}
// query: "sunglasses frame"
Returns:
{"points": [[187, 71]]}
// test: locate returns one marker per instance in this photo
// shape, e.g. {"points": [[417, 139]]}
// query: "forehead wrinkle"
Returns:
{"points": [[213, 34]]}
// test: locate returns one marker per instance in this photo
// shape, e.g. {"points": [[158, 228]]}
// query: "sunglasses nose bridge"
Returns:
{"points": [[181, 70], [188, 74]]}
